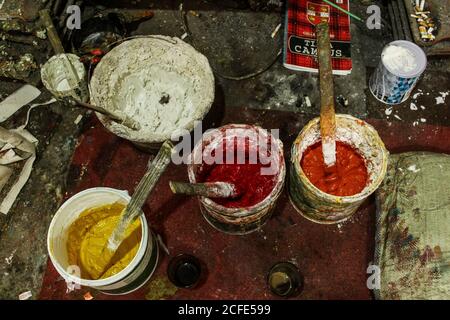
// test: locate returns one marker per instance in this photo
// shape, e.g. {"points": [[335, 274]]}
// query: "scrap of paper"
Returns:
{"points": [[16, 145], [17, 100]]}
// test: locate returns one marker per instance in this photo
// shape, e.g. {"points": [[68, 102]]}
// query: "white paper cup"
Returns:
{"points": [[57, 75]]}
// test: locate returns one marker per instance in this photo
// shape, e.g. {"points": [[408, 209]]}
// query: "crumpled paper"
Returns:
{"points": [[15, 145]]}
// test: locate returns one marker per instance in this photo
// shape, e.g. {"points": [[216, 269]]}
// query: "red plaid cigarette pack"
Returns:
{"points": [[300, 47]]}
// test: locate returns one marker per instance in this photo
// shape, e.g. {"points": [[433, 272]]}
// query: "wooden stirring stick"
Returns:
{"points": [[207, 189], [327, 113]]}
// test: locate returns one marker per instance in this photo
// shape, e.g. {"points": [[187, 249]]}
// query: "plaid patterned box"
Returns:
{"points": [[300, 50]]}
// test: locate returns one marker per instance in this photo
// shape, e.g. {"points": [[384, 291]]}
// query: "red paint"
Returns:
{"points": [[97, 52], [349, 177], [252, 187]]}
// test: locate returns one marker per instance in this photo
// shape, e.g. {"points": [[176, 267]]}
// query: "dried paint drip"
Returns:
{"points": [[251, 185], [349, 176]]}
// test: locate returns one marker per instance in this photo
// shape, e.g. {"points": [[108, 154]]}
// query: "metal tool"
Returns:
{"points": [[327, 111], [207, 189]]}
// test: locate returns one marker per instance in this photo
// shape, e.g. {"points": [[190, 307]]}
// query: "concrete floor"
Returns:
{"points": [[246, 46]]}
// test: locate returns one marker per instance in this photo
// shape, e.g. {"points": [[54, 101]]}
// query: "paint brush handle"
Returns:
{"points": [[207, 189], [154, 171], [133, 210], [124, 120], [327, 112], [55, 41]]}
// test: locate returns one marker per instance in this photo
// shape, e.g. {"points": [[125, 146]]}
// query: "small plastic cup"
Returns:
{"points": [[184, 271], [58, 76], [394, 86], [285, 280]]}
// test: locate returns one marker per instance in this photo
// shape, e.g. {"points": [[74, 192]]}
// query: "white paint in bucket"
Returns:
{"points": [[161, 82], [127, 280]]}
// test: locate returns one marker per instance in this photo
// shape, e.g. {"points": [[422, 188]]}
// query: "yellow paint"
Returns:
{"points": [[88, 236]]}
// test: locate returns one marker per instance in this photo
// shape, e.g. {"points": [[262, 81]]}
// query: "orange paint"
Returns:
{"points": [[348, 178]]}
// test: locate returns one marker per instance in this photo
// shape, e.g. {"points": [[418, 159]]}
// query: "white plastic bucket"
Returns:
{"points": [[132, 277], [141, 72]]}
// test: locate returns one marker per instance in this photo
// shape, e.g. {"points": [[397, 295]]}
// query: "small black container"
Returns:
{"points": [[285, 280], [98, 32], [184, 271]]}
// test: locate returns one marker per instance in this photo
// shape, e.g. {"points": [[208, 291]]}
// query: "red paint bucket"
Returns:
{"points": [[253, 144]]}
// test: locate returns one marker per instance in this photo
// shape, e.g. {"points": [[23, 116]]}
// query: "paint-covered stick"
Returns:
{"points": [[124, 120], [155, 169], [207, 189], [327, 112]]}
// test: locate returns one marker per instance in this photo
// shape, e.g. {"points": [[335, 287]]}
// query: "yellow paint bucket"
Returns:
{"points": [[132, 277]]}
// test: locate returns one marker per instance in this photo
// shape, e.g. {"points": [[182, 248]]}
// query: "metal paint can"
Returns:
{"points": [[321, 207], [239, 221], [393, 86], [132, 277]]}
